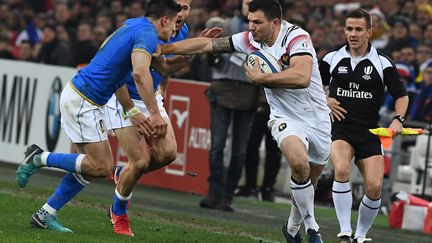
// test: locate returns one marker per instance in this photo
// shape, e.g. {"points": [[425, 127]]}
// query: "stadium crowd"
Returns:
{"points": [[68, 33]]}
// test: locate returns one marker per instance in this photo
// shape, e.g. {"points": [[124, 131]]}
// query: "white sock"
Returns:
{"points": [[304, 196], [342, 200], [41, 159], [368, 210], [46, 211], [294, 220]]}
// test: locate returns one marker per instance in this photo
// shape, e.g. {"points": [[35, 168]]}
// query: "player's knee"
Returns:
{"points": [[342, 173], [300, 171], [373, 190], [140, 166]]}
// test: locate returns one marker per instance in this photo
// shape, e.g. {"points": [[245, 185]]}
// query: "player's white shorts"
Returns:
{"points": [[316, 135], [114, 111], [82, 121]]}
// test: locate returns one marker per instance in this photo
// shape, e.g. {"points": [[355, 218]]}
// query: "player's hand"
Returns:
{"points": [[142, 124], [159, 126], [158, 51], [336, 111], [396, 126], [254, 74], [211, 33]]}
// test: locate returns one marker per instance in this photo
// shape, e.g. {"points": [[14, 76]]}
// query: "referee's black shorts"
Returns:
{"points": [[365, 144]]}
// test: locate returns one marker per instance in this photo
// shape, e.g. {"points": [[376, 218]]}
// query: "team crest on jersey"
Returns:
{"points": [[285, 59], [342, 69], [367, 71], [101, 126], [282, 126]]}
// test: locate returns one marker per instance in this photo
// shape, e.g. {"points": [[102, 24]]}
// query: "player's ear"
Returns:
{"points": [[164, 20]]}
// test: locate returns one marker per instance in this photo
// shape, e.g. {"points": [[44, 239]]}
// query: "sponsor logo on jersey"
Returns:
{"points": [[353, 93], [342, 69], [367, 71]]}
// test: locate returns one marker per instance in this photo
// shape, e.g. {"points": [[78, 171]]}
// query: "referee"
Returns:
{"points": [[355, 77]]}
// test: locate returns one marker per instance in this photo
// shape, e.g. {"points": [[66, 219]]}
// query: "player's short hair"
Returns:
{"points": [[159, 8], [360, 14], [272, 8]]}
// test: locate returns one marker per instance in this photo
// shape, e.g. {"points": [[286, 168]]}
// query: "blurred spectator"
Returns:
{"points": [[423, 53], [85, 48], [408, 56], [53, 50], [380, 36], [422, 108], [62, 16], [408, 9], [104, 19], [120, 19], [5, 48], [100, 34], [424, 15], [400, 35], [31, 32], [26, 51], [62, 34], [116, 7], [416, 32], [136, 9], [427, 38]]}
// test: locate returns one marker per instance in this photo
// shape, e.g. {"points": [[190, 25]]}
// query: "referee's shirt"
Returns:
{"points": [[359, 84]]}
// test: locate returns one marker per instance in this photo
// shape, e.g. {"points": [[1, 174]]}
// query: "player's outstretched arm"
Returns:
{"points": [[199, 45], [144, 83]]}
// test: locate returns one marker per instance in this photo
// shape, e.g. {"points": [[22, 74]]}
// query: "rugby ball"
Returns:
{"points": [[267, 63]]}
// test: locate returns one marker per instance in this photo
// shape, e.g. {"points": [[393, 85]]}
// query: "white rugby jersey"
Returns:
{"points": [[295, 103]]}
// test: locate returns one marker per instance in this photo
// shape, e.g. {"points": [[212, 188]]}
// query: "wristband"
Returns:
{"points": [[132, 112]]}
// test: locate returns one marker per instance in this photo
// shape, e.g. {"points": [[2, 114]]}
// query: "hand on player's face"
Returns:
{"points": [[214, 32], [254, 74], [159, 126], [336, 111]]}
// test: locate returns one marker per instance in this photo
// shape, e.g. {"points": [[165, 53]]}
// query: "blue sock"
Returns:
{"points": [[119, 206], [66, 190], [68, 162]]}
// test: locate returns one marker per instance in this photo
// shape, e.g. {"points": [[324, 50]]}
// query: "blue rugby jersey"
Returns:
{"points": [[157, 78], [98, 81]]}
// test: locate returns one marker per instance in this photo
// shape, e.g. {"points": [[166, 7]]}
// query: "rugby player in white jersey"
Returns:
{"points": [[299, 118]]}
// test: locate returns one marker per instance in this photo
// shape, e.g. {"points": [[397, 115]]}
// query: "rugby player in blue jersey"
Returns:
{"points": [[160, 151], [128, 50]]}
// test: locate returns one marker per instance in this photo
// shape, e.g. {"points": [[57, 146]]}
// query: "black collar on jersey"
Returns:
{"points": [[368, 49]]}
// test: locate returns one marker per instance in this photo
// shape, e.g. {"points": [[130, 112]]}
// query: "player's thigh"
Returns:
{"points": [[372, 169], [291, 139], [166, 147], [133, 143], [319, 138], [82, 121]]}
